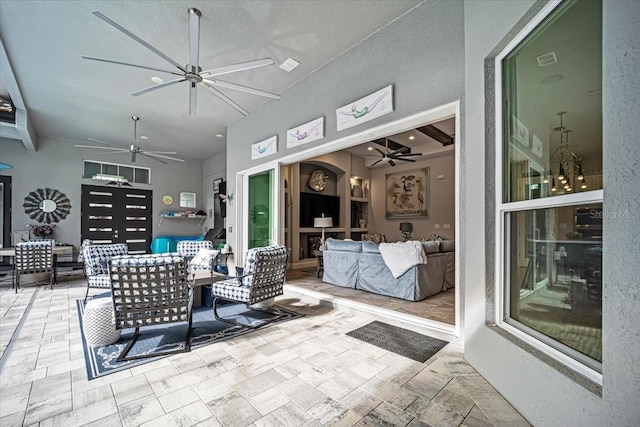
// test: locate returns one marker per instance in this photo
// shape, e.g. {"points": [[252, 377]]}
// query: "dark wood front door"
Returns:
{"points": [[118, 215]]}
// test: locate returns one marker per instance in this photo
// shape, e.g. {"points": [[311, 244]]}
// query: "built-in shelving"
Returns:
{"points": [[200, 217]]}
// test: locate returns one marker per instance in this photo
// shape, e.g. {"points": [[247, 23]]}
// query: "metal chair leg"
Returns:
{"points": [[233, 322]]}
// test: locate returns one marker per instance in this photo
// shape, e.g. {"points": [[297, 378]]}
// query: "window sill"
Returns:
{"points": [[541, 351]]}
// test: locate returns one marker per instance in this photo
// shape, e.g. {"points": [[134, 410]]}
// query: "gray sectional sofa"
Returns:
{"points": [[359, 265]]}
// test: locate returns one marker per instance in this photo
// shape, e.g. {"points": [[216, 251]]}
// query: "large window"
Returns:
{"points": [[549, 200]]}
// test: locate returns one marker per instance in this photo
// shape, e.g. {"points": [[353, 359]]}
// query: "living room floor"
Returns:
{"points": [[301, 372], [440, 307]]}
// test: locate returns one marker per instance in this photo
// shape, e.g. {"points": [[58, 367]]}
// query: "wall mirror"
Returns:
{"points": [[187, 200], [47, 205]]}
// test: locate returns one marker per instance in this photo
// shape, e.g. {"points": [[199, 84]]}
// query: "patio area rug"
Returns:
{"points": [[207, 330], [398, 340]]}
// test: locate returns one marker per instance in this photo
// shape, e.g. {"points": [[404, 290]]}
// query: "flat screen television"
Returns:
{"points": [[314, 205]]}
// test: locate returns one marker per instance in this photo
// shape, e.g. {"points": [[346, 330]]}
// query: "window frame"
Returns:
{"points": [[504, 209]]}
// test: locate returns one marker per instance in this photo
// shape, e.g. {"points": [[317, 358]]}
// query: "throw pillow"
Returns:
{"points": [[203, 259]]}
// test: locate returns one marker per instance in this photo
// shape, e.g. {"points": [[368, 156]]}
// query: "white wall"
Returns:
{"points": [[542, 390], [58, 164]]}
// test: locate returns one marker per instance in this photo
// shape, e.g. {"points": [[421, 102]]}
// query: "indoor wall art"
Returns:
{"points": [[308, 132]]}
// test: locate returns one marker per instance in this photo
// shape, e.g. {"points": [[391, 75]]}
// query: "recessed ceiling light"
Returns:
{"points": [[144, 137], [411, 137], [289, 65], [370, 148], [157, 80], [219, 135]]}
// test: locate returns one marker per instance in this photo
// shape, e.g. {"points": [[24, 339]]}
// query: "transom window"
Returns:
{"points": [[549, 198]]}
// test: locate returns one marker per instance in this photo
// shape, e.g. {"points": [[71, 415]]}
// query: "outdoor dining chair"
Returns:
{"points": [[34, 257], [150, 290], [261, 279]]}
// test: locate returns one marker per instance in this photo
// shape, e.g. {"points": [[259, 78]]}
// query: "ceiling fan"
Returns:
{"points": [[389, 155], [134, 149], [192, 72]]}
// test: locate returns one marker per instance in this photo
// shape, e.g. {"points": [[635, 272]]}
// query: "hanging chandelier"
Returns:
{"points": [[569, 164]]}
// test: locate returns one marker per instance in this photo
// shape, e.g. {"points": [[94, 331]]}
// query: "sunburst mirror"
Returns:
{"points": [[47, 205]]}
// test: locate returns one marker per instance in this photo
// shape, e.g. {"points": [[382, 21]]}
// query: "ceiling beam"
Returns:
{"points": [[435, 133], [393, 146], [23, 128]]}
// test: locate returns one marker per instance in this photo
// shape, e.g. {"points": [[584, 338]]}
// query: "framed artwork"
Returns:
{"points": [[365, 109], [264, 148], [407, 194], [20, 236], [536, 146], [520, 132], [308, 132]]}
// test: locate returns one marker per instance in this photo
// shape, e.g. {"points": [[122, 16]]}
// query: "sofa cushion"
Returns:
{"points": [[370, 247], [431, 246], [448, 245], [343, 245]]}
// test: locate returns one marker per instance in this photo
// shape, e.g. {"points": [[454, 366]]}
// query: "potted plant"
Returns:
{"points": [[43, 231]]}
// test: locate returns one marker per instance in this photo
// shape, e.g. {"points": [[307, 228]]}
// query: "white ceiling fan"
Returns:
{"points": [[192, 72], [134, 149]]}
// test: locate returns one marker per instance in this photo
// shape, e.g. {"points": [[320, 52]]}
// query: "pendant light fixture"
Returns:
{"points": [[569, 164]]}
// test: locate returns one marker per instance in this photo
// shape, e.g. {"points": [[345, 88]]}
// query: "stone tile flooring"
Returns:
{"points": [[304, 372]]}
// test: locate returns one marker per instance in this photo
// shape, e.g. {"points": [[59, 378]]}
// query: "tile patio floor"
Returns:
{"points": [[305, 372]]}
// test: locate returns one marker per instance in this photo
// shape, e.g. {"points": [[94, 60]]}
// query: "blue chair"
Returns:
{"points": [[96, 264]]}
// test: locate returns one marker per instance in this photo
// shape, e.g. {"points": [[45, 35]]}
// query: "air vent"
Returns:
{"points": [[547, 59], [289, 65]]}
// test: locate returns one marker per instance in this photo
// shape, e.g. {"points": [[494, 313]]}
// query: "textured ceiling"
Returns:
{"points": [[72, 98]]}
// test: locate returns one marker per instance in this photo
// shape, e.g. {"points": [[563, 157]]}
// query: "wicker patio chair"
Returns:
{"points": [[34, 257], [262, 278], [96, 264], [150, 290]]}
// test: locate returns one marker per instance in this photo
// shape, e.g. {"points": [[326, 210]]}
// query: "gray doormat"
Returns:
{"points": [[398, 340]]}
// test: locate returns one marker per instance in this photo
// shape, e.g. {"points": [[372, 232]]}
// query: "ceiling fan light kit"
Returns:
{"points": [[192, 72]]}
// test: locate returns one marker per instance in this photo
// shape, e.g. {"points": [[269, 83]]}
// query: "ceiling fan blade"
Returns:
{"points": [[376, 162], [154, 158], [161, 156], [391, 162], [138, 39], [405, 160], [194, 38], [101, 148], [225, 98], [242, 66], [398, 151], [159, 86], [103, 142], [93, 58], [158, 152], [242, 88], [408, 154], [113, 152], [382, 153], [192, 99]]}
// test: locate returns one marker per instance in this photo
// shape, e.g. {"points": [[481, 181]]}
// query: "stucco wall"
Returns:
{"points": [[542, 393], [421, 54], [58, 164]]}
